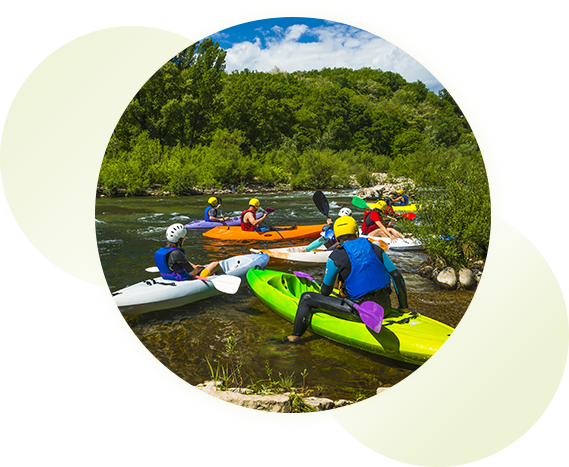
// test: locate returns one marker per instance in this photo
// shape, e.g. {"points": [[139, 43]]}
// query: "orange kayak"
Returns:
{"points": [[276, 233]]}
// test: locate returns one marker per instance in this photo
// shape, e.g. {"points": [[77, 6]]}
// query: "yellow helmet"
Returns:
{"points": [[255, 202], [399, 192], [380, 205], [346, 225], [213, 201]]}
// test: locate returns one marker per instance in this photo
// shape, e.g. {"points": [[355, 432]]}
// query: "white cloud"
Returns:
{"points": [[334, 46]]}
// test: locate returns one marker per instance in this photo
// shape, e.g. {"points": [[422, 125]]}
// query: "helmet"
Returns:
{"points": [[399, 192], [346, 225], [255, 202], [213, 201], [175, 232], [345, 212], [380, 205]]}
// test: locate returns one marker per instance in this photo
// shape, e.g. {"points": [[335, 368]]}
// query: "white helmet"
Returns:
{"points": [[175, 232], [345, 212]]}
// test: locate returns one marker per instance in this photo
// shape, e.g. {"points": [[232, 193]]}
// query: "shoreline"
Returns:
{"points": [[383, 184]]}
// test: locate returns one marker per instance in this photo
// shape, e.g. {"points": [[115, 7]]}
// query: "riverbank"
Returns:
{"points": [[384, 185]]}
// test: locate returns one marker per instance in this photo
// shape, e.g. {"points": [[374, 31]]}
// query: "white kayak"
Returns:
{"points": [[400, 244], [321, 254], [160, 294]]}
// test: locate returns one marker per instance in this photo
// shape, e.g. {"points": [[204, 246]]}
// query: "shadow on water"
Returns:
{"points": [[186, 338]]}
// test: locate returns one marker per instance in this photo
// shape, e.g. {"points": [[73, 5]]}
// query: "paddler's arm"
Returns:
{"points": [[250, 217], [398, 281], [177, 260], [330, 277]]}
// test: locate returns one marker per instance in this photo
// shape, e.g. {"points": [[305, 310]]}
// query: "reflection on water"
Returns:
{"points": [[184, 339]]}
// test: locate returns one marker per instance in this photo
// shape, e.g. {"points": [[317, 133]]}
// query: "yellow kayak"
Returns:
{"points": [[409, 208]]}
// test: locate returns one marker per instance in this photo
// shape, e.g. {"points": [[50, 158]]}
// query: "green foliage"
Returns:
{"points": [[455, 217], [194, 125]]}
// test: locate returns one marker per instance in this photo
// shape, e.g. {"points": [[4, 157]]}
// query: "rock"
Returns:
{"points": [[342, 403], [466, 279], [97, 409], [273, 403], [426, 271], [319, 403], [383, 187], [447, 279]]}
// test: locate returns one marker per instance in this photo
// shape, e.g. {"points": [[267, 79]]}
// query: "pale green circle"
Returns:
{"points": [[474, 398]]}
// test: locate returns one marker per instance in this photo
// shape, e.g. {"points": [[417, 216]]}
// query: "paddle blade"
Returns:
{"points": [[321, 202], [359, 202], [371, 314], [409, 215], [269, 210], [225, 283], [152, 269], [303, 275]]}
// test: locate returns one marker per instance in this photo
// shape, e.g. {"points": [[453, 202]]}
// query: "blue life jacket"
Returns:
{"points": [[207, 211], [368, 273], [161, 260], [405, 200]]}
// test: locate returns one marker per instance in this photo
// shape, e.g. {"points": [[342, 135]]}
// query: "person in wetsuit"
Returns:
{"points": [[363, 272], [171, 258]]}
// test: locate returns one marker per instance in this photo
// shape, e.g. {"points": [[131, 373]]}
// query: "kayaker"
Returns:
{"points": [[327, 236], [399, 198], [171, 258], [248, 220], [374, 225], [361, 270], [211, 213]]}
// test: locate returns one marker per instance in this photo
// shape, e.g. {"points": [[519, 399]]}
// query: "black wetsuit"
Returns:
{"points": [[337, 306]]}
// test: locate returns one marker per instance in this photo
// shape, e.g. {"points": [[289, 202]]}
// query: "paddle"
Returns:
{"points": [[409, 215], [359, 202], [224, 283], [370, 312], [321, 203]]}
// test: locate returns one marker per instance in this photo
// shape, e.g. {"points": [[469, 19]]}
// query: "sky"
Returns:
{"points": [[293, 44]]}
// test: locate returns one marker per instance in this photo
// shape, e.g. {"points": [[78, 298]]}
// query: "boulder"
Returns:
{"points": [[466, 279], [447, 279]]}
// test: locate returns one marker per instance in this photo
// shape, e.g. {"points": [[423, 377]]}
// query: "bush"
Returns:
{"points": [[455, 219]]}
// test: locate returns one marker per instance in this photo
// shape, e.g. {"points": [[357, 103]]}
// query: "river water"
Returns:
{"points": [[189, 339]]}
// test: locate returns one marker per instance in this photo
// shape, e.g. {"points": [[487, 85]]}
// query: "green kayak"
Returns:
{"points": [[408, 337]]}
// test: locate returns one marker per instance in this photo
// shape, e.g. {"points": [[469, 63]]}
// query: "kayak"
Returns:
{"points": [[400, 244], [407, 337], [276, 233], [296, 254], [160, 294], [320, 255], [203, 224], [408, 208]]}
